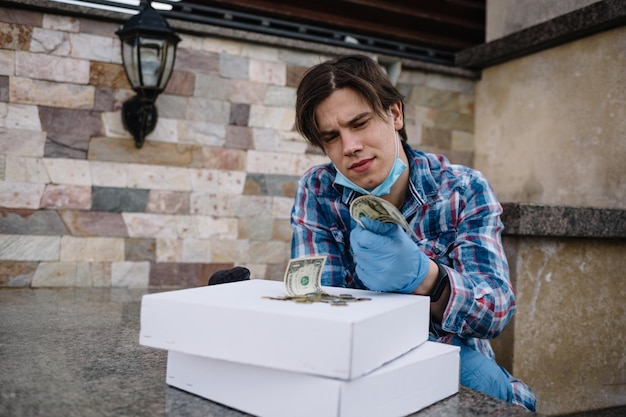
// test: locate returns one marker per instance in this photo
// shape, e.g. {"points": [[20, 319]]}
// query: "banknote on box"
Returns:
{"points": [[237, 322], [419, 378]]}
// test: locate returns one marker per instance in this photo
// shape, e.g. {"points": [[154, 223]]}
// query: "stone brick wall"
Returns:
{"points": [[212, 187]]}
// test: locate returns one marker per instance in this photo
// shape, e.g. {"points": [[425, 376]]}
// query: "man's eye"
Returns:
{"points": [[361, 123], [329, 138]]}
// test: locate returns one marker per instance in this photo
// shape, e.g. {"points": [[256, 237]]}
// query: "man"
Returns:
{"points": [[349, 109]]}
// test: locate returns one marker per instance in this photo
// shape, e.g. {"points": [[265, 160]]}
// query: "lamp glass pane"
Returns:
{"points": [[152, 62], [130, 59]]}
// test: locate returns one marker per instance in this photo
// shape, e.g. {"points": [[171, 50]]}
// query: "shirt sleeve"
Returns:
{"points": [[482, 301], [318, 230]]}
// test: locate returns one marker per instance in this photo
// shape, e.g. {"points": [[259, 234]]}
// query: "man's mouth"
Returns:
{"points": [[362, 165]]}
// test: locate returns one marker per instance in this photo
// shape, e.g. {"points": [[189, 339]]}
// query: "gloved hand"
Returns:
{"points": [[483, 374], [386, 257]]}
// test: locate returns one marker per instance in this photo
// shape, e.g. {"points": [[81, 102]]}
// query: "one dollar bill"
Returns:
{"points": [[378, 209], [304, 275]]}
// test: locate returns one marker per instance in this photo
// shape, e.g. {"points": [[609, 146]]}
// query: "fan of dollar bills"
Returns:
{"points": [[378, 209]]}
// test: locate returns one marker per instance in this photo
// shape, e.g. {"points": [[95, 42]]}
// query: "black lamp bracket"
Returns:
{"points": [[139, 117]]}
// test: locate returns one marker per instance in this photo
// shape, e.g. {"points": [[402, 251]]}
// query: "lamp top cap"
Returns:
{"points": [[147, 22]]}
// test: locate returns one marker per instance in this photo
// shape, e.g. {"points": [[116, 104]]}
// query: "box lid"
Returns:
{"points": [[235, 322]]}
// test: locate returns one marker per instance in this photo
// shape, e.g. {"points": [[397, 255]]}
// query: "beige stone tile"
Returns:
{"points": [[29, 248], [166, 130], [265, 140], [52, 42], [280, 118], [92, 249], [281, 207], [92, 47], [291, 142], [282, 230], [7, 62], [248, 92], [235, 251], [206, 134], [100, 274], [53, 94], [209, 227], [231, 182], [168, 202], [22, 142], [55, 274], [301, 163], [156, 177], [25, 169], [209, 204], [198, 251], [227, 159], [207, 110], [68, 171], [105, 74], [151, 156], [204, 180], [255, 228], [20, 194], [19, 116], [151, 225], [249, 206], [130, 274], [51, 68], [268, 72], [185, 226], [269, 162], [169, 250], [108, 174], [269, 252]]}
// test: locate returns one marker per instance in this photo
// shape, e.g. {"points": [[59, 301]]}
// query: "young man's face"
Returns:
{"points": [[356, 139]]}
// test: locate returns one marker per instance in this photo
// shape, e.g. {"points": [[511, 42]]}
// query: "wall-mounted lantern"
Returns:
{"points": [[148, 54]]}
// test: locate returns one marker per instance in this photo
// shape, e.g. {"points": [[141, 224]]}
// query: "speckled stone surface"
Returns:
{"points": [[594, 18], [538, 220], [75, 352]]}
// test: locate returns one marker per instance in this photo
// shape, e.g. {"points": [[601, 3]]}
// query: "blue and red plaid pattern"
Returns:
{"points": [[455, 215]]}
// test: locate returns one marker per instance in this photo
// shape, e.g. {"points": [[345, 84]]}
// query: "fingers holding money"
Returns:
{"points": [[376, 208]]}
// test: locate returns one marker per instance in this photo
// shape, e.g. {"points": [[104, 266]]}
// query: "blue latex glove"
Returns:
{"points": [[483, 374], [386, 257]]}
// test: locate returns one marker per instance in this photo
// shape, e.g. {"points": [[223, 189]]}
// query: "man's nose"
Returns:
{"points": [[351, 143]]}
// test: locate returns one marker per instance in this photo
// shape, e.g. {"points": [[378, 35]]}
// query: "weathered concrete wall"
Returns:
{"points": [[551, 130], [509, 16], [550, 127]]}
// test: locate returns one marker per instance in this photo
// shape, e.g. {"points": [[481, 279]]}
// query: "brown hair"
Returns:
{"points": [[358, 72]]}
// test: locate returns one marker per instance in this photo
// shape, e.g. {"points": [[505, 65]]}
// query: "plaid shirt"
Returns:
{"points": [[456, 217]]}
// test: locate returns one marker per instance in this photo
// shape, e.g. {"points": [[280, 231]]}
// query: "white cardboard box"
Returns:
{"points": [[233, 322], [421, 377]]}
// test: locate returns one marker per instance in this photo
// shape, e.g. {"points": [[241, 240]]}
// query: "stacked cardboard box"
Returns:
{"points": [[236, 345]]}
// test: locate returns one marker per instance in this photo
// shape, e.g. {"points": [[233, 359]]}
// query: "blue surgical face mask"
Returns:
{"points": [[384, 187]]}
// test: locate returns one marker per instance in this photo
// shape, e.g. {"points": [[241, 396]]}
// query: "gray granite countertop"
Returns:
{"points": [[75, 352]]}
